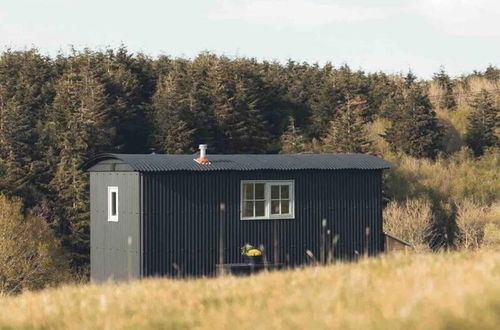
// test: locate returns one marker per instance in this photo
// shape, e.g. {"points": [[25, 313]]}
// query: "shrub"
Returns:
{"points": [[411, 221], [375, 132], [30, 256], [456, 178], [452, 138], [471, 221]]}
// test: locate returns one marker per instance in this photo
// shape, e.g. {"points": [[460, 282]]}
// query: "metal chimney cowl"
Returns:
{"points": [[203, 155]]}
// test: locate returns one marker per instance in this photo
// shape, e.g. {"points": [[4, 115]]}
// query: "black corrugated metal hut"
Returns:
{"points": [[154, 215]]}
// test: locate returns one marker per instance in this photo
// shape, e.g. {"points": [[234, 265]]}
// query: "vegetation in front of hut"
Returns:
{"points": [[454, 290]]}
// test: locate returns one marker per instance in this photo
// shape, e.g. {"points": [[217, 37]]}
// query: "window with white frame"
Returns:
{"points": [[113, 204], [267, 200]]}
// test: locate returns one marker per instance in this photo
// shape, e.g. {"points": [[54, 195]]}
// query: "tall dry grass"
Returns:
{"points": [[417, 291]]}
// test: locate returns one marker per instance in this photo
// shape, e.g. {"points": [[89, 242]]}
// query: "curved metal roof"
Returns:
{"points": [[242, 162]]}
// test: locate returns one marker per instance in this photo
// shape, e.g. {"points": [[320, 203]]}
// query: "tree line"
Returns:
{"points": [[56, 113]]}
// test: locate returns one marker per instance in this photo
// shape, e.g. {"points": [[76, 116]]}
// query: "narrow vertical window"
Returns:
{"points": [[113, 204]]}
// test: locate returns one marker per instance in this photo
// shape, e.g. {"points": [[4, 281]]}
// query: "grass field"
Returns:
{"points": [[420, 291]]}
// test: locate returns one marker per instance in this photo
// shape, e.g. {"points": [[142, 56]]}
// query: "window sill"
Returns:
{"points": [[288, 217]]}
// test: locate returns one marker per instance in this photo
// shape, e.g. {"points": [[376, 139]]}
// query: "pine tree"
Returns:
{"points": [[201, 111], [293, 140], [83, 128], [220, 84], [346, 133], [173, 131], [447, 100], [410, 79], [246, 130], [129, 82], [492, 73], [324, 101], [239, 98], [24, 93], [483, 123], [18, 137], [414, 129], [381, 91]]}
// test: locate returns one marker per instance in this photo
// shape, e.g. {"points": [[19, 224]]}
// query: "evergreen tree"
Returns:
{"points": [[492, 73], [173, 129], [483, 123], [414, 129], [201, 110], [18, 137], [410, 79], [239, 98], [293, 140], [346, 133], [381, 92], [447, 100], [84, 130], [332, 92], [246, 129], [129, 85], [325, 99], [24, 93]]}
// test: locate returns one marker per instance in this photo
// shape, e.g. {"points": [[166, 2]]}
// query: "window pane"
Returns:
{"points": [[248, 191], [285, 192], [285, 207], [248, 209], [275, 207], [260, 209], [113, 203], [275, 192], [259, 191]]}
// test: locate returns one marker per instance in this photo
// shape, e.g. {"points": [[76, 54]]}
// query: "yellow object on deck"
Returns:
{"points": [[254, 253]]}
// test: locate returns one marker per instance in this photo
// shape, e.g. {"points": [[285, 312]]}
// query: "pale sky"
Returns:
{"points": [[385, 35]]}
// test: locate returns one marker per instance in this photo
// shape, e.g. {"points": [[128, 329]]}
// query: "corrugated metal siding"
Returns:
{"points": [[161, 163], [183, 220], [110, 254]]}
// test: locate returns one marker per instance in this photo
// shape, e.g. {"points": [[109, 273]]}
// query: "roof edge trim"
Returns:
{"points": [[99, 158], [243, 162]]}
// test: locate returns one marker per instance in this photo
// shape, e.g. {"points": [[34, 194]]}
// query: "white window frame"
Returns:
{"points": [[267, 197], [113, 217]]}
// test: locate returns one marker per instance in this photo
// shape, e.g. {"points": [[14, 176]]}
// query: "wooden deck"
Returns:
{"points": [[243, 269]]}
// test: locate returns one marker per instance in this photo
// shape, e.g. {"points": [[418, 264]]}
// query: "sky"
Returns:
{"points": [[373, 35]]}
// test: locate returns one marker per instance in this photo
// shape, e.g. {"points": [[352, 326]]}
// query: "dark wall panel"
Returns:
{"points": [[183, 222], [110, 254]]}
